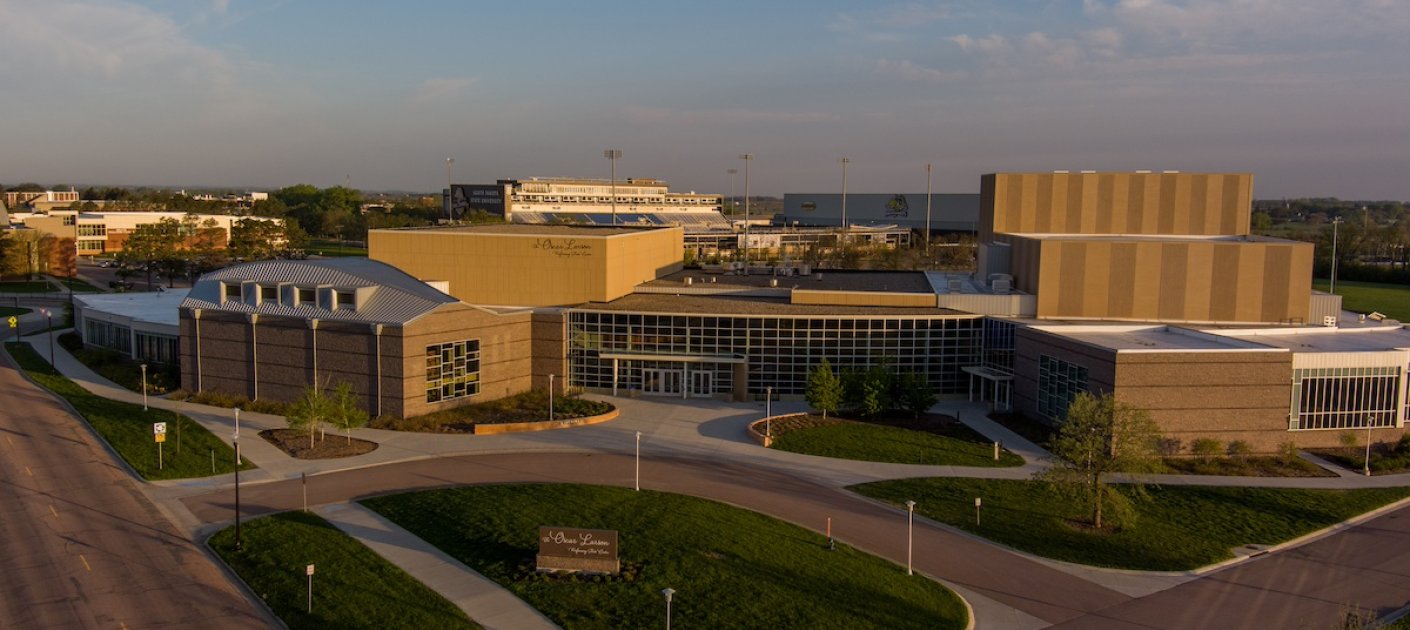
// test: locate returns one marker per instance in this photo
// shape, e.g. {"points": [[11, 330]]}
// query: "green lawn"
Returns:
{"points": [[879, 443], [731, 568], [353, 587], [79, 286], [35, 286], [325, 247], [121, 369], [128, 429], [1392, 300], [1180, 528]]}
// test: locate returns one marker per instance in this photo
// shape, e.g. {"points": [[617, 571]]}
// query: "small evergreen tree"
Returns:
{"points": [[824, 391]]}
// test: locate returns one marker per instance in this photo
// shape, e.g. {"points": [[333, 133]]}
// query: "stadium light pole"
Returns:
{"points": [[613, 155], [845, 161], [1335, 223], [450, 185], [747, 157]]}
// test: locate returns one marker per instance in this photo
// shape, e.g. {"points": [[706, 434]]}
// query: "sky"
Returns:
{"points": [[1311, 96]]}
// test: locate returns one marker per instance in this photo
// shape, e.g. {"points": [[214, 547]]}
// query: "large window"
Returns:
{"points": [[1344, 398], [1058, 383], [779, 350], [452, 370], [156, 348]]}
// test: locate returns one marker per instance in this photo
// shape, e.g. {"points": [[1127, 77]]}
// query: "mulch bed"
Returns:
{"points": [[928, 422], [296, 444]]}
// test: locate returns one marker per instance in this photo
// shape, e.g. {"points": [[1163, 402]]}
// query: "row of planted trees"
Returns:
{"points": [[868, 392], [318, 408]]}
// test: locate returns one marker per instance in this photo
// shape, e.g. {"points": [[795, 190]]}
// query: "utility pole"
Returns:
{"points": [[747, 157], [927, 209], [450, 190], [614, 155], [845, 162], [731, 172]]}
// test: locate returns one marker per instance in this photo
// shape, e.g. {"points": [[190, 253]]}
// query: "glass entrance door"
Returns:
{"points": [[702, 384], [662, 382]]}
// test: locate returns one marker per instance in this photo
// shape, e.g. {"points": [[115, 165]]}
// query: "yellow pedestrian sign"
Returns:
{"points": [[161, 437], [14, 322]]}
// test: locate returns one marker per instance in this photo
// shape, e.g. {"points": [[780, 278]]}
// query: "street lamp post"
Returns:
{"points": [[1335, 223], [747, 157], [845, 162], [668, 593], [49, 315], [768, 411], [450, 189], [637, 484], [239, 545], [1366, 467], [732, 172], [144, 387], [550, 398], [614, 155], [928, 197], [910, 525]]}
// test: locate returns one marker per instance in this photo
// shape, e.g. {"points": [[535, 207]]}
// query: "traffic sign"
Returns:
{"points": [[158, 428], [309, 570], [161, 437], [14, 322]]}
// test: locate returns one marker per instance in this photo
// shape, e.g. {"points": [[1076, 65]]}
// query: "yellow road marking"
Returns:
{"points": [[28, 471], [85, 562], [52, 510]]}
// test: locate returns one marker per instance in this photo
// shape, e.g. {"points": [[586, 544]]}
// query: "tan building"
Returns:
{"points": [[532, 265]]}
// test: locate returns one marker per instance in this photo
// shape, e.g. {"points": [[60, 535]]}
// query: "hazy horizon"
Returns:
{"points": [[261, 94]]}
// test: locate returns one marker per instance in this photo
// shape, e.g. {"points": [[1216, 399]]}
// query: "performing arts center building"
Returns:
{"points": [[1146, 285]]}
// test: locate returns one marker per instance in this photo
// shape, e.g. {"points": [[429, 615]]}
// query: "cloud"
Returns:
{"points": [[992, 44], [908, 71], [724, 117], [220, 6], [888, 24], [440, 89]]}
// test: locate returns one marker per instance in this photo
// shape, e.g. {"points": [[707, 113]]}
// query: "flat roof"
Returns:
{"points": [[157, 307], [820, 280], [1154, 238], [1373, 337], [530, 229], [709, 305], [1151, 338]]}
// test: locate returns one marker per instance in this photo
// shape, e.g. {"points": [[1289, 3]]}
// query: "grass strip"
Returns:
{"points": [[879, 443], [353, 587], [27, 286], [730, 568], [1179, 528], [128, 429]]}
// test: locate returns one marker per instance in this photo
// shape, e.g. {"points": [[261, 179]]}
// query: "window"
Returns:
{"points": [[268, 294], [1344, 398], [452, 370], [345, 300], [1058, 383], [307, 296], [232, 293]]}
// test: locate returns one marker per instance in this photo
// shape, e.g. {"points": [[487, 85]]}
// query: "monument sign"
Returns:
{"points": [[571, 549]]}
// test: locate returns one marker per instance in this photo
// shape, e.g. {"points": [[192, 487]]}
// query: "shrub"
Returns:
{"points": [[1240, 449], [1288, 450], [1207, 448], [1347, 439], [1169, 447]]}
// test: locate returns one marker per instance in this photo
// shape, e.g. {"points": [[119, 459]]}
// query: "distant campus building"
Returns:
{"points": [[1145, 285]]}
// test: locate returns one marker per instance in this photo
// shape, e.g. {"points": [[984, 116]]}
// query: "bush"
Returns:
{"points": [[217, 398], [1240, 449], [1170, 447], [1207, 448], [1347, 439], [1288, 450]]}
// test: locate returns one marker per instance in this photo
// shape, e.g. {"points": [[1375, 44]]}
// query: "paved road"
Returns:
{"points": [[81, 546], [1030, 587]]}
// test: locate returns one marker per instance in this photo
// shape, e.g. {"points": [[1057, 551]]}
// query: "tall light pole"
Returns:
{"points": [[768, 411], [910, 525], [747, 157], [1366, 467], [239, 546], [613, 154], [1335, 223], [144, 387], [668, 593], [845, 162], [732, 172], [637, 484], [450, 189], [927, 208]]}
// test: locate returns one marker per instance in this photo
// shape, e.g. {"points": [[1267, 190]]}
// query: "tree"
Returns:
{"points": [[824, 391], [311, 410], [346, 411], [152, 244], [870, 391], [1101, 436], [256, 239], [915, 394]]}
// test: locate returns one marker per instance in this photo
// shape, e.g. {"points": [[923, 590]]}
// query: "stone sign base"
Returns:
{"points": [[578, 565]]}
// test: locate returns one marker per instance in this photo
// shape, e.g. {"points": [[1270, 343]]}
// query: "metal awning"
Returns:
{"points": [[988, 374]]}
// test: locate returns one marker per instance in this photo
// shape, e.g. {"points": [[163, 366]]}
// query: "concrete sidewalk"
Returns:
{"points": [[489, 604]]}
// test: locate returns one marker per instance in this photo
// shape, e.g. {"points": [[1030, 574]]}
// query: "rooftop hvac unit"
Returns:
{"points": [[956, 285], [1375, 316], [1002, 286], [773, 282], [689, 281]]}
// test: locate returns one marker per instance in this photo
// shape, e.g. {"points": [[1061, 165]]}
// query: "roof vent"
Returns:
{"points": [[773, 282], [689, 281]]}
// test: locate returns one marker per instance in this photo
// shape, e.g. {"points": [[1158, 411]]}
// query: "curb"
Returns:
{"points": [[544, 425]]}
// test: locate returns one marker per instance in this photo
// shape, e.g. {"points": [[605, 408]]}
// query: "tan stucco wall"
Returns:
{"points": [[1115, 203], [531, 270], [862, 298], [1213, 281]]}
